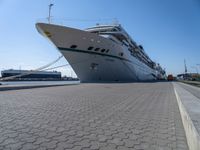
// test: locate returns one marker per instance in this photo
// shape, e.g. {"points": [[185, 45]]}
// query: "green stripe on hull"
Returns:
{"points": [[91, 52]]}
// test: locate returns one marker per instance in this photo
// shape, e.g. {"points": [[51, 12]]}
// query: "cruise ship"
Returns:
{"points": [[103, 53]]}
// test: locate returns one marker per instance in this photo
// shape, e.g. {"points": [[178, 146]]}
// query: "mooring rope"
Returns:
{"points": [[32, 71], [43, 68]]}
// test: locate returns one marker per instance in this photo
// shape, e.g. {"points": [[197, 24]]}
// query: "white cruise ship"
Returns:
{"points": [[104, 53]]}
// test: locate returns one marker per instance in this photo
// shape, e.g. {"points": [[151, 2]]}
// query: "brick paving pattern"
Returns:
{"points": [[134, 116]]}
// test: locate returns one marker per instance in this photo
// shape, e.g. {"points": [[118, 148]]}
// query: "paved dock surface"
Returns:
{"points": [[18, 85], [192, 89], [194, 83], [189, 104], [143, 116]]}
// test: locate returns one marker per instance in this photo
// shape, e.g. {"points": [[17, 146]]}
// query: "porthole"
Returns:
{"points": [[96, 49], [90, 48], [107, 50], [121, 54], [103, 50], [73, 46]]}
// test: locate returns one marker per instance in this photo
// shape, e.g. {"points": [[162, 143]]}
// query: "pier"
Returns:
{"points": [[119, 116]]}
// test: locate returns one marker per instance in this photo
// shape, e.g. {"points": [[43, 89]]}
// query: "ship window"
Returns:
{"points": [[107, 50], [103, 50], [90, 48], [96, 49], [121, 54], [140, 46], [73, 46], [119, 29]]}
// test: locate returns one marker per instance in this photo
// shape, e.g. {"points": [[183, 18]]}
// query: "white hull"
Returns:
{"points": [[92, 66]]}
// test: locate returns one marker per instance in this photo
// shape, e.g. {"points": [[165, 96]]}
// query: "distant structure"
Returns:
{"points": [[185, 66], [189, 76], [31, 75]]}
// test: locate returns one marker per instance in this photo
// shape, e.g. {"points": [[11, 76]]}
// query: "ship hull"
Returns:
{"points": [[96, 66]]}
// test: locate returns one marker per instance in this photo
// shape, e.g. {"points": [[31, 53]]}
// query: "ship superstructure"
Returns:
{"points": [[103, 53], [118, 35]]}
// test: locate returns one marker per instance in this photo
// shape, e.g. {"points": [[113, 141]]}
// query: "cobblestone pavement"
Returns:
{"points": [[140, 116]]}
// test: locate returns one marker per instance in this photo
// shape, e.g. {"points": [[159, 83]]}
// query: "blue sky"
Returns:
{"points": [[168, 30]]}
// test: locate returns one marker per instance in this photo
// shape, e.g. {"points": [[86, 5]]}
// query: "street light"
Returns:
{"points": [[49, 18]]}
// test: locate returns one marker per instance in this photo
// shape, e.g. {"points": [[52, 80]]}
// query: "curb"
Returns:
{"points": [[192, 136], [8, 88]]}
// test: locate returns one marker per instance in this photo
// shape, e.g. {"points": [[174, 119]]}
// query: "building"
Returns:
{"points": [[189, 76], [31, 74]]}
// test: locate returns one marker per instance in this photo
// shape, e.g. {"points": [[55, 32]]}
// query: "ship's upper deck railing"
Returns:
{"points": [[121, 35]]}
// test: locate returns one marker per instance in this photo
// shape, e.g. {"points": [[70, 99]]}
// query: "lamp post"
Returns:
{"points": [[49, 18]]}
